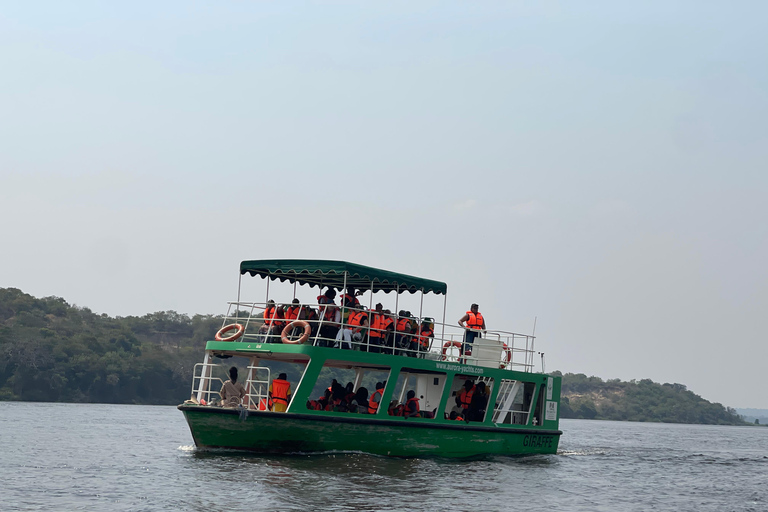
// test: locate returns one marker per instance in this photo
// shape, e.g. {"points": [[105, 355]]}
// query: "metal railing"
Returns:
{"points": [[206, 375], [330, 328]]}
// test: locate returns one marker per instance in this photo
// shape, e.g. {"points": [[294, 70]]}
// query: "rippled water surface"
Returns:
{"points": [[127, 457]]}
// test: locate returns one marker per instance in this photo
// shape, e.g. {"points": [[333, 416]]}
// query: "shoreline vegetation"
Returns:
{"points": [[593, 398], [51, 351]]}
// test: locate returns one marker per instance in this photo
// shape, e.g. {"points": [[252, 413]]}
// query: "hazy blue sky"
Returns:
{"points": [[598, 165]]}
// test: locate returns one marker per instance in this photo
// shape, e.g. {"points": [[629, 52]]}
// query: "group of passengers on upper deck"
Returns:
{"points": [[376, 330]]}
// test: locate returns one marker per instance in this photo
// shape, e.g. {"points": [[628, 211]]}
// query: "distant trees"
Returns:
{"points": [[51, 351], [592, 398]]}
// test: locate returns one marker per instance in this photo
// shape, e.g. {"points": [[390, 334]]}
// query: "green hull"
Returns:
{"points": [[268, 432]]}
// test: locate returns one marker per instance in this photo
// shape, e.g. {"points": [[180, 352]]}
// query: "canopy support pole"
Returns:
{"points": [[239, 283], [442, 334], [341, 328]]}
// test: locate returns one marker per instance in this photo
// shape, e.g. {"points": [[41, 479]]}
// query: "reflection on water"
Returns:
{"points": [[107, 457]]}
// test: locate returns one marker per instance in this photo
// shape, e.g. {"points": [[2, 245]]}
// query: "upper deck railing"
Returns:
{"points": [[492, 348]]}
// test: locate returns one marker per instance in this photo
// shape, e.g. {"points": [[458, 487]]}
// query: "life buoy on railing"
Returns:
{"points": [[296, 323], [239, 329], [506, 356], [449, 344]]}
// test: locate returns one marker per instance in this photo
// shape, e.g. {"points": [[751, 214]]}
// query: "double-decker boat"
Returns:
{"points": [[397, 385]]}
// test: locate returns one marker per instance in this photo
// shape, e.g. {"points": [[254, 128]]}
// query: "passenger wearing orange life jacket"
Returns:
{"points": [[375, 400], [425, 336], [405, 329], [274, 321], [330, 317], [279, 392], [464, 397], [354, 330], [293, 312], [349, 299], [411, 409], [376, 332], [475, 323], [388, 327]]}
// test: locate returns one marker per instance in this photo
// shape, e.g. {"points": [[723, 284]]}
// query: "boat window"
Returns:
{"points": [[427, 388], [540, 404], [256, 377], [513, 403], [468, 398], [345, 389]]}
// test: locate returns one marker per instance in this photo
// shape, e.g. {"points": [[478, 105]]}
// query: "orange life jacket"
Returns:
{"points": [[292, 313], [465, 397], [349, 300], [403, 324], [425, 334], [356, 319], [275, 316], [373, 405], [280, 389], [475, 321], [329, 312], [407, 410], [376, 323], [459, 418]]}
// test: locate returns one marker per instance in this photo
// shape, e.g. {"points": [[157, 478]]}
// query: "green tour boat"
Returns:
{"points": [[335, 375]]}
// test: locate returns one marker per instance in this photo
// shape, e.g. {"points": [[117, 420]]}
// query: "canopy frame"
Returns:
{"points": [[339, 275]]}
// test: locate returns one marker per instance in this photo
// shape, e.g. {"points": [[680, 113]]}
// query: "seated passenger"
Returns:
{"points": [[360, 401], [478, 403], [310, 316], [293, 311], [330, 317], [232, 392], [425, 336], [355, 329], [454, 416], [405, 328], [280, 392], [349, 299], [373, 403], [411, 409], [464, 397], [338, 401], [274, 322]]}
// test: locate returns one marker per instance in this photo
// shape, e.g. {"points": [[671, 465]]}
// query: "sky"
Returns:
{"points": [[598, 168]]}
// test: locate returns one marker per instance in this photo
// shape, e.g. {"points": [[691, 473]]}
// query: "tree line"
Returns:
{"points": [[54, 352], [644, 400]]}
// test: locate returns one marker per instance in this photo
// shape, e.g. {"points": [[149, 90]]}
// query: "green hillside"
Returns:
{"points": [[51, 351], [645, 400]]}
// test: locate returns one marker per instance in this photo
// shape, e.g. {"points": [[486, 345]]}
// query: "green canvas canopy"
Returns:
{"points": [[332, 273]]}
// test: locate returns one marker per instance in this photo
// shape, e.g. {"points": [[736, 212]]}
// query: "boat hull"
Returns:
{"points": [[269, 432]]}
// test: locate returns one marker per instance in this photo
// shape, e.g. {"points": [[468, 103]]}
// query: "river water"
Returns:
{"points": [[130, 457]]}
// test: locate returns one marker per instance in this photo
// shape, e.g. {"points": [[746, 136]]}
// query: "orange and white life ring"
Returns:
{"points": [[506, 356], [288, 328], [449, 344], [238, 328]]}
